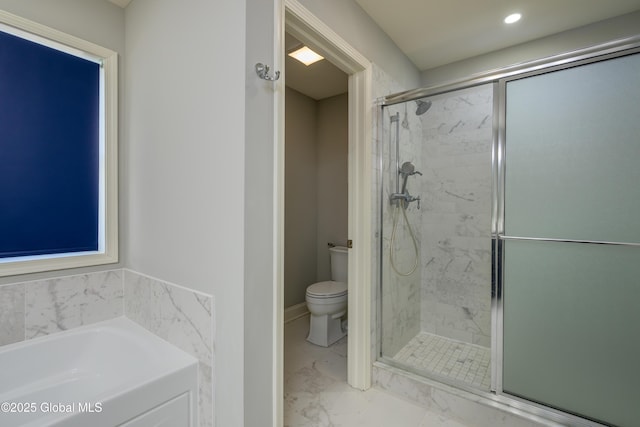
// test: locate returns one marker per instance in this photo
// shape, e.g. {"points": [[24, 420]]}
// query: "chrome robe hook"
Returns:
{"points": [[263, 72]]}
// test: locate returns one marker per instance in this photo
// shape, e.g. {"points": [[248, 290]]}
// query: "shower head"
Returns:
{"points": [[423, 106], [407, 169]]}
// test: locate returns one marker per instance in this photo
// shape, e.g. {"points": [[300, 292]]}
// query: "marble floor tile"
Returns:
{"points": [[316, 393]]}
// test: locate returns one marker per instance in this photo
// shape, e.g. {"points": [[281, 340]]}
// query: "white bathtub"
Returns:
{"points": [[107, 374]]}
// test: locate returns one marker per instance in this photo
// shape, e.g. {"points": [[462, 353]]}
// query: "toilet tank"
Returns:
{"points": [[339, 263]]}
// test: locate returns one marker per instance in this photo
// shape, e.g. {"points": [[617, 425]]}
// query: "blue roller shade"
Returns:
{"points": [[49, 150]]}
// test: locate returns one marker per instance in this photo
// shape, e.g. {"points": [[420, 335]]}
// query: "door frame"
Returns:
{"points": [[294, 18]]}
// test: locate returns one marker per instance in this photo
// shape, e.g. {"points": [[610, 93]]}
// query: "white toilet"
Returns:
{"points": [[327, 302]]}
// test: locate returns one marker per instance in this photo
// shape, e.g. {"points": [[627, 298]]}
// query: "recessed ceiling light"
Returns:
{"points": [[514, 17], [306, 55]]}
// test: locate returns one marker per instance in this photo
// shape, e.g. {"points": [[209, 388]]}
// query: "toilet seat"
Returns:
{"points": [[328, 289]]}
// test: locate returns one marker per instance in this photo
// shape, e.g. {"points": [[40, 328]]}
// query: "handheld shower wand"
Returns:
{"points": [[402, 201], [406, 170]]}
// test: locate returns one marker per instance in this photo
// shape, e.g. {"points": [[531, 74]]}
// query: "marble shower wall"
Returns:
{"points": [[456, 215], [400, 320]]}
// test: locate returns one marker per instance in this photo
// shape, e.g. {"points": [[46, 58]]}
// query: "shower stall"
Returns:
{"points": [[510, 239]]}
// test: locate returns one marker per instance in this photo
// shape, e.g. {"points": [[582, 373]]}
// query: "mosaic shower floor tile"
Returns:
{"points": [[468, 363]]}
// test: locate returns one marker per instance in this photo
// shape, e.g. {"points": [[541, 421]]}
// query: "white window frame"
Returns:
{"points": [[107, 252]]}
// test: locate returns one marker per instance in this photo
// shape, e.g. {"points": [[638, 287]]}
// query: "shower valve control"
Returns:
{"points": [[405, 199]]}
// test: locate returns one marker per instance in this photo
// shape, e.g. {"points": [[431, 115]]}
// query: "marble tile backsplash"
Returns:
{"points": [[42, 307], [178, 315], [12, 314], [55, 305]]}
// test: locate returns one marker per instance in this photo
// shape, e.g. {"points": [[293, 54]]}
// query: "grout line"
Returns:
{"points": [[446, 357]]}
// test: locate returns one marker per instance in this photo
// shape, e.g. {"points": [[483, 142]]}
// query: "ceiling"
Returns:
{"points": [[438, 32], [319, 80], [433, 33]]}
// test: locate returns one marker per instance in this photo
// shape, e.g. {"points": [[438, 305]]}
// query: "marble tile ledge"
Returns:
{"points": [[468, 408]]}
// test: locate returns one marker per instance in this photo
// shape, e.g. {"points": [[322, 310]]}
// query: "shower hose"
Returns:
{"points": [[400, 207]]}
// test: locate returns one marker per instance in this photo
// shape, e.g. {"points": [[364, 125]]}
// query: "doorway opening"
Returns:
{"points": [[303, 26], [316, 173]]}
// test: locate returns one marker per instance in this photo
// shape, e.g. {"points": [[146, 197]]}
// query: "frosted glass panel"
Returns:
{"points": [[573, 153], [571, 319]]}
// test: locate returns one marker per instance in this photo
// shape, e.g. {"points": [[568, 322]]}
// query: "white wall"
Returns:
{"points": [[601, 32], [332, 178], [301, 196], [97, 21], [259, 239], [185, 160]]}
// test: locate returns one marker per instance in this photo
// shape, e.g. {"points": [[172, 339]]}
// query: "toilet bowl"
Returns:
{"points": [[327, 302]]}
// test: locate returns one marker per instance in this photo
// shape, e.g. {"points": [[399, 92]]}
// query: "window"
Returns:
{"points": [[58, 150]]}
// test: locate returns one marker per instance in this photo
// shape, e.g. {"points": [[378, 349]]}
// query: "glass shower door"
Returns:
{"points": [[435, 272], [571, 240]]}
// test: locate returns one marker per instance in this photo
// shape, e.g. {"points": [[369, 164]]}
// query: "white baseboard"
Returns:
{"points": [[295, 312]]}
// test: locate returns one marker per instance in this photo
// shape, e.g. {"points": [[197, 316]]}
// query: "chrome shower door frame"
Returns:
{"points": [[499, 78], [499, 237]]}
